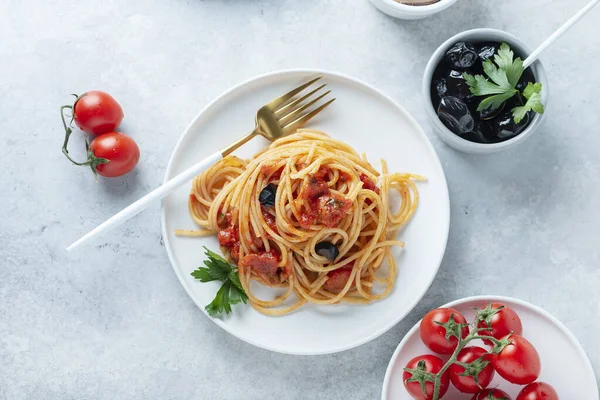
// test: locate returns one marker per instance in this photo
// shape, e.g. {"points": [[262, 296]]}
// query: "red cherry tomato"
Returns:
{"points": [[467, 384], [502, 323], [119, 149], [97, 112], [538, 391], [434, 335], [431, 364], [518, 362], [492, 394]]}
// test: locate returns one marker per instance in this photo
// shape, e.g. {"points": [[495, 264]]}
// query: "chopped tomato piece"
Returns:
{"points": [[264, 264], [271, 171], [269, 219], [314, 189], [234, 251], [323, 207], [224, 220], [308, 217], [337, 279], [228, 237], [344, 177], [368, 183], [322, 173], [332, 208]]}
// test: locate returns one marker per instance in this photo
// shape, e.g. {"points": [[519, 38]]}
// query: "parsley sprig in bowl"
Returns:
{"points": [[478, 95], [500, 85]]}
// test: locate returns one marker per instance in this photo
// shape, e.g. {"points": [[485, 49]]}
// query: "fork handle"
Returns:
{"points": [[143, 203], [235, 145]]}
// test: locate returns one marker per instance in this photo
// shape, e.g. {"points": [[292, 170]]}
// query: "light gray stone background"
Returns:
{"points": [[112, 321]]}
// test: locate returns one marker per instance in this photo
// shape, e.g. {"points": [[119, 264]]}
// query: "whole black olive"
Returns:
{"points": [[487, 51], [455, 114], [267, 195], [461, 56], [457, 86], [327, 250], [506, 128]]}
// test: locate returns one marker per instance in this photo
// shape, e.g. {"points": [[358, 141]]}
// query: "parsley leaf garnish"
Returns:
{"points": [[218, 267], [503, 77], [480, 86], [230, 293], [505, 61], [534, 102], [499, 89]]}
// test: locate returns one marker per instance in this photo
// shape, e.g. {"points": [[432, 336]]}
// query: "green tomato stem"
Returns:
{"points": [[92, 161], [473, 335], [490, 338], [68, 132]]}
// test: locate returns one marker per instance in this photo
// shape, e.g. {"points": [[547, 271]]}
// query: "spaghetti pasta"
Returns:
{"points": [[271, 212]]}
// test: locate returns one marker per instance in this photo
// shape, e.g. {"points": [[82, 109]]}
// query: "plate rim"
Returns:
{"points": [[437, 166], [493, 298]]}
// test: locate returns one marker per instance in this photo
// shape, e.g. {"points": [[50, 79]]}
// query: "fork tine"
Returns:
{"points": [[295, 112], [299, 100], [302, 120], [281, 100]]}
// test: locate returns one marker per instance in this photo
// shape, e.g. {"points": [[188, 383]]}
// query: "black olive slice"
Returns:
{"points": [[327, 250], [267, 195]]}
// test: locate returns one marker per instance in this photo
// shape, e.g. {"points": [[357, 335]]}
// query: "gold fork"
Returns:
{"points": [[279, 118], [284, 115]]}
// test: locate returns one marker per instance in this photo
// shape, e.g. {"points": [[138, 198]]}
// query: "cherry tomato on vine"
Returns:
{"points": [[518, 362], [492, 394], [97, 112], [437, 337], [416, 374], [501, 320], [480, 365], [113, 154], [538, 391]]}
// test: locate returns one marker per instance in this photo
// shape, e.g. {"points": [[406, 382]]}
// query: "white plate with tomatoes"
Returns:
{"points": [[533, 351], [371, 123]]}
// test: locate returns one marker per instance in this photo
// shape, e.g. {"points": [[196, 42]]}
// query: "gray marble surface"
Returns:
{"points": [[112, 322]]}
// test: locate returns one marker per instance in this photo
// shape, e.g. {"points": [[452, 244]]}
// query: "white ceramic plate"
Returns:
{"points": [[372, 123], [556, 346]]}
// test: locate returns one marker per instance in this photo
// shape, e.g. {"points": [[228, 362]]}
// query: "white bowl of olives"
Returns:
{"points": [[478, 95], [412, 9]]}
